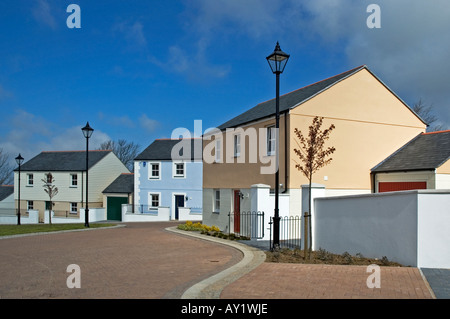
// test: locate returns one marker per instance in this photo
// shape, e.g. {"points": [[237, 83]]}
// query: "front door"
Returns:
{"points": [[237, 212], [179, 202]]}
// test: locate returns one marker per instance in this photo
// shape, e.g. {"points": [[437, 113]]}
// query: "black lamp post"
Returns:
{"points": [[277, 62], [87, 132], [19, 161]]}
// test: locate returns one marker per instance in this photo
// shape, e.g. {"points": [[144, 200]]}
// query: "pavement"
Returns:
{"points": [[158, 261]]}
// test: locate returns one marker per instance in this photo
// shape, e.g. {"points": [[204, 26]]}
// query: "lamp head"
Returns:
{"points": [[277, 60]]}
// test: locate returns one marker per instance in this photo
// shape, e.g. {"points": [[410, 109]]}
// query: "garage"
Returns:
{"points": [[114, 207], [422, 163], [400, 186], [119, 192]]}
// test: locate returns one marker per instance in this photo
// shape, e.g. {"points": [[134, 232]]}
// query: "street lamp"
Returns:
{"points": [[87, 132], [19, 161], [277, 62]]}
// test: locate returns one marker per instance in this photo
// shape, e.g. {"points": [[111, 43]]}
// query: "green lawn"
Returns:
{"points": [[8, 230]]}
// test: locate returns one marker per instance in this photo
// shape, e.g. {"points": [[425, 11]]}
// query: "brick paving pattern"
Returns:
{"points": [[143, 260], [139, 261], [299, 281]]}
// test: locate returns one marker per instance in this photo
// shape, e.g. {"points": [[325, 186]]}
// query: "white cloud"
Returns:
{"points": [[32, 134], [147, 123], [409, 52], [133, 32], [42, 12]]}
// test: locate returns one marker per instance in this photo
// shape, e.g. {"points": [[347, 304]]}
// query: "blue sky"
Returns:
{"points": [[138, 69]]}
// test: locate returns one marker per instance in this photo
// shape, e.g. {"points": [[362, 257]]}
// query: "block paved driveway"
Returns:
{"points": [[141, 260]]}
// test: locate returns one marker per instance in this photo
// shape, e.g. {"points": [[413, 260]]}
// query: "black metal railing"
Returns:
{"points": [[246, 224], [290, 231]]}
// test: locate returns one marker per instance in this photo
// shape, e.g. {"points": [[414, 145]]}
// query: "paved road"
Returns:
{"points": [[144, 260], [141, 260]]}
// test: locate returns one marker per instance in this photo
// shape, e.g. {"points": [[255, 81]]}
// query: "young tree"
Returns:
{"points": [[51, 190], [313, 155]]}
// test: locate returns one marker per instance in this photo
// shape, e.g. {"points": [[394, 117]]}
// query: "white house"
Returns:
{"points": [[68, 169]]}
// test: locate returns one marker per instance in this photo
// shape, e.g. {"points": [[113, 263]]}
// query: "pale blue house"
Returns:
{"points": [[168, 179]]}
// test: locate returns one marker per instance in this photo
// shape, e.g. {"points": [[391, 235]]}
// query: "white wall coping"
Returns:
{"points": [[415, 191]]}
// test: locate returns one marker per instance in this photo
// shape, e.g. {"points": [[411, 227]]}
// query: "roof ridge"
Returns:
{"points": [[177, 139], [436, 132], [77, 151], [317, 82]]}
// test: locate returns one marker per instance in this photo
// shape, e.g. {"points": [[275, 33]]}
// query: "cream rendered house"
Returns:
{"points": [[69, 172], [371, 122]]}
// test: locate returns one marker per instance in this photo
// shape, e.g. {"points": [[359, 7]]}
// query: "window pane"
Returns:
{"points": [[217, 200], [155, 170], [271, 139], [237, 145], [155, 200], [179, 169]]}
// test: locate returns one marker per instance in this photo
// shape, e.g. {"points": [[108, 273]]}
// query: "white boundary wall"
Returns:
{"points": [[411, 227], [95, 215], [32, 218]]}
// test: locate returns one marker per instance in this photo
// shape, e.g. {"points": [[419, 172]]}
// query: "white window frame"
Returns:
{"points": [[271, 140], [218, 151], [150, 171], [74, 178], [216, 201], [174, 170], [237, 145], [30, 177], [150, 200], [30, 205], [72, 206]]}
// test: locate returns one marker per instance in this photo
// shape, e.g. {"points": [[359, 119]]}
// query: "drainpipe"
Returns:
{"points": [[285, 154], [373, 178]]}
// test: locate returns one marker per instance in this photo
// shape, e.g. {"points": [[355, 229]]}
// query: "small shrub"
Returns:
{"points": [[348, 259], [385, 261], [323, 255]]}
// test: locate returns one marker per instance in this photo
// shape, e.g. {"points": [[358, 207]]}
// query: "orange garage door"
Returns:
{"points": [[400, 186]]}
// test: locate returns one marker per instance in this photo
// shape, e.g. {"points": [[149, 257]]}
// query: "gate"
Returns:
{"points": [[251, 224], [290, 231]]}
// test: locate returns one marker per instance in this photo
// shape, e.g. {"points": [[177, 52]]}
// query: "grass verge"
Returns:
{"points": [[9, 230]]}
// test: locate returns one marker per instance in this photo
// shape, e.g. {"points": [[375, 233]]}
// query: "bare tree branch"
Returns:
{"points": [[125, 151], [6, 170]]}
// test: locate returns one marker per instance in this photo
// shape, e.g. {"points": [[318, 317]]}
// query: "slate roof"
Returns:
{"points": [[123, 184], [5, 191], [292, 99], [427, 151], [60, 161], [161, 149]]}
